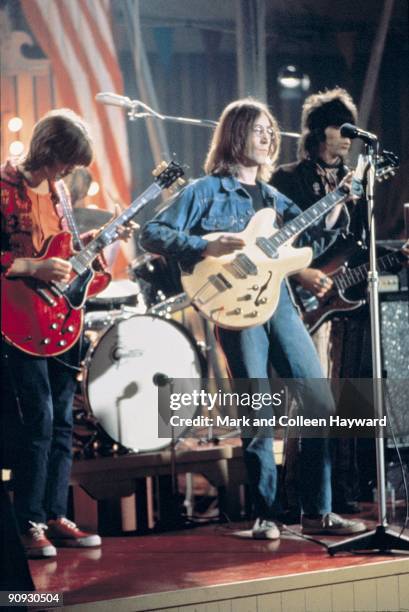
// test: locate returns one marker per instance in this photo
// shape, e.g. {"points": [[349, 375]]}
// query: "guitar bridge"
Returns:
{"points": [[216, 284]]}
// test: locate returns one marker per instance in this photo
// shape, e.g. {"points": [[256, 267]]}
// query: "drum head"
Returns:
{"points": [[119, 377]]}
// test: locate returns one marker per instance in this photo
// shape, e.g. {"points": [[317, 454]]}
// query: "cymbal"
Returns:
{"points": [[87, 219], [121, 288]]}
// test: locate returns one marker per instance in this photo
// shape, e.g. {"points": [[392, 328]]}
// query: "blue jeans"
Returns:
{"points": [[44, 389], [283, 343]]}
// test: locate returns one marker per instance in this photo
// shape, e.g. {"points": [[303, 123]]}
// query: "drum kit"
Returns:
{"points": [[132, 338]]}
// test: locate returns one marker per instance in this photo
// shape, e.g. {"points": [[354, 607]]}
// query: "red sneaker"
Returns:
{"points": [[63, 532], [36, 545]]}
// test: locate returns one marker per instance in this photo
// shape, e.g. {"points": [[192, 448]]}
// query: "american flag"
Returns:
{"points": [[76, 36]]}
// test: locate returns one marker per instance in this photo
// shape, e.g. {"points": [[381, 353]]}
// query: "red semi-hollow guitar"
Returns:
{"points": [[45, 319]]}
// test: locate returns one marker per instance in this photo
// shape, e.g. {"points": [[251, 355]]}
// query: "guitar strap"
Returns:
{"points": [[64, 202], [72, 358], [330, 175]]}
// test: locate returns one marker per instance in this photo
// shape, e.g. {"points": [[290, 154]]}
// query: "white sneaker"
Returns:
{"points": [[331, 524], [265, 530]]}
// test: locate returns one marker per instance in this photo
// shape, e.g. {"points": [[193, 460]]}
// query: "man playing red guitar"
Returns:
{"points": [[41, 389]]}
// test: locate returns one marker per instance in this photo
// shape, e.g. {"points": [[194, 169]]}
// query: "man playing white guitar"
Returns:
{"points": [[233, 263]]}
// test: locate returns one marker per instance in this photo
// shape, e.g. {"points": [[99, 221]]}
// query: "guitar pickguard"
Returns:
{"points": [[77, 289]]}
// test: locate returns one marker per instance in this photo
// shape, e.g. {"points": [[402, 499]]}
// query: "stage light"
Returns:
{"points": [[93, 189], [15, 124], [16, 148], [291, 77]]}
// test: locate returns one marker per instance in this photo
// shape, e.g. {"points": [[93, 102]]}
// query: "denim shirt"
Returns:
{"points": [[221, 204]]}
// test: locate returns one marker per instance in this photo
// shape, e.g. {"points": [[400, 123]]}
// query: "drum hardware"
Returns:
{"points": [[99, 320], [162, 380], [156, 277], [175, 517], [169, 306], [90, 439]]}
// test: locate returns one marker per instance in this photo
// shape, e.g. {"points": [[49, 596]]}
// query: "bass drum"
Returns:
{"points": [[119, 372]]}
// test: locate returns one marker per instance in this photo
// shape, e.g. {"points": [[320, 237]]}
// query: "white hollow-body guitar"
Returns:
{"points": [[242, 289]]}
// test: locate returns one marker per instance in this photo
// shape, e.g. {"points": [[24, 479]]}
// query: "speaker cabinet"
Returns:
{"points": [[395, 361]]}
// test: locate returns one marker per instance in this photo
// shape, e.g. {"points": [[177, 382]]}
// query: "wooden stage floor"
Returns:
{"points": [[216, 568]]}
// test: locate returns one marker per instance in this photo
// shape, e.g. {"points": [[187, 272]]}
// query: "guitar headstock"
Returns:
{"points": [[167, 174], [386, 165]]}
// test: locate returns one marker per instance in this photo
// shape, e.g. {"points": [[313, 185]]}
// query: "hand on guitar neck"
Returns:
{"points": [[124, 232]]}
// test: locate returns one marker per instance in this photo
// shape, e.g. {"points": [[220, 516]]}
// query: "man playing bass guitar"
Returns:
{"points": [[321, 165]]}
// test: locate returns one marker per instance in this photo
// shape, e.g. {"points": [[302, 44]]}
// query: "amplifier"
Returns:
{"points": [[397, 283], [394, 309]]}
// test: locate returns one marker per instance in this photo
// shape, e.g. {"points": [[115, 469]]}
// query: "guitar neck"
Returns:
{"points": [[303, 221], [81, 261], [354, 276]]}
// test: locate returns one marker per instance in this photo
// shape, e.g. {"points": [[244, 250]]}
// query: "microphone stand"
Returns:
{"points": [[381, 538], [174, 519], [187, 120], [113, 99]]}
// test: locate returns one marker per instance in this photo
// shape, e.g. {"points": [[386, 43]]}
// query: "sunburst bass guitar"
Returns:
{"points": [[349, 290], [242, 289], [45, 319]]}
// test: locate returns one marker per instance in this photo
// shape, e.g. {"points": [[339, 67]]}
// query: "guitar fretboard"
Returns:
{"points": [[299, 224], [354, 276], [81, 261]]}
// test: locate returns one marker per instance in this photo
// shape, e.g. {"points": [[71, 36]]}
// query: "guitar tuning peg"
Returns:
{"points": [[159, 168], [181, 182]]}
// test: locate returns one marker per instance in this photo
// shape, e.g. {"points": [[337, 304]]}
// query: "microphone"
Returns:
{"points": [[113, 99], [352, 131], [161, 380]]}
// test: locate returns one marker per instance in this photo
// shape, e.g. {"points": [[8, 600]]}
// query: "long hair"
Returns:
{"points": [[332, 107], [78, 183], [61, 136], [230, 139]]}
